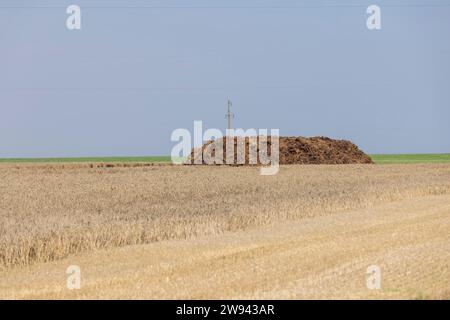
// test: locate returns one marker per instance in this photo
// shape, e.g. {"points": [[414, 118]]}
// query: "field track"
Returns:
{"points": [[317, 257]]}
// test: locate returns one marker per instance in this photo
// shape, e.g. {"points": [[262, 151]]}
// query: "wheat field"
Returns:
{"points": [[322, 257], [49, 212]]}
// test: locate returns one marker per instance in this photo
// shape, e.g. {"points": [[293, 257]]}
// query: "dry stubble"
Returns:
{"points": [[48, 212]]}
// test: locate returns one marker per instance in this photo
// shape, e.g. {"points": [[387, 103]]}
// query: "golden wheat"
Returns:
{"points": [[50, 211], [322, 257]]}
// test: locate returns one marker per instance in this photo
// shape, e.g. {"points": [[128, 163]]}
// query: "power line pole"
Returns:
{"points": [[229, 115]]}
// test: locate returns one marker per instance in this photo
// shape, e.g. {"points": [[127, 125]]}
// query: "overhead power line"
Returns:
{"points": [[306, 6]]}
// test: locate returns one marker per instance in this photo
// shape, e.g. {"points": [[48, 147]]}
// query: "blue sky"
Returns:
{"points": [[139, 69]]}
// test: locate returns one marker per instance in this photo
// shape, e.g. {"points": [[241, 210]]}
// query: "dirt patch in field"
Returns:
{"points": [[292, 150]]}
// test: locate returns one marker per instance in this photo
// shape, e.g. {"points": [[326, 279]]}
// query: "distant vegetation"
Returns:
{"points": [[410, 158], [377, 158], [87, 159]]}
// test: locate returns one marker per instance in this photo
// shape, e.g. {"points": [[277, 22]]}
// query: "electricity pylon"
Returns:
{"points": [[229, 115]]}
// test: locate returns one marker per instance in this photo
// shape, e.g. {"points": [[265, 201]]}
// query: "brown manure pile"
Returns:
{"points": [[292, 150]]}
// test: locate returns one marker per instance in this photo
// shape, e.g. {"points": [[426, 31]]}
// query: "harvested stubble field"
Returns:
{"points": [[50, 212]]}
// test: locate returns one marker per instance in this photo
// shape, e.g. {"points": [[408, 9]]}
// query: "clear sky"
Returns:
{"points": [[140, 69]]}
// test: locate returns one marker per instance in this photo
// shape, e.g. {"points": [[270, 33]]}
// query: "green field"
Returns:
{"points": [[154, 159], [378, 158], [410, 158]]}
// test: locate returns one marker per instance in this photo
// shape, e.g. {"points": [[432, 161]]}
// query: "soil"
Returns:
{"points": [[292, 150]]}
